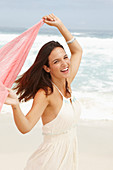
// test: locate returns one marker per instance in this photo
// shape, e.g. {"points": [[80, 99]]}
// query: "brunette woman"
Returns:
{"points": [[48, 83]]}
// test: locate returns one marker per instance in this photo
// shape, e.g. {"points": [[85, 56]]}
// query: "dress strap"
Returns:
{"points": [[57, 89], [60, 91]]}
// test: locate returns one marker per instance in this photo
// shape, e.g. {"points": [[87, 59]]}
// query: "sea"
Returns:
{"points": [[93, 84]]}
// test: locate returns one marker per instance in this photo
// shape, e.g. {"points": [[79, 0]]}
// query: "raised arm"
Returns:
{"points": [[26, 123], [75, 48]]}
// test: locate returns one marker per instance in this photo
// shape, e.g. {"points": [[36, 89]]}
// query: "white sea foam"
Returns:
{"points": [[93, 84], [95, 106]]}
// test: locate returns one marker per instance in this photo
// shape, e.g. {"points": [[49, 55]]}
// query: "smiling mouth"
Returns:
{"points": [[65, 70]]}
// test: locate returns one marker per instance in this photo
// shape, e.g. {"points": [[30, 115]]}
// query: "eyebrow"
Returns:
{"points": [[58, 58]]}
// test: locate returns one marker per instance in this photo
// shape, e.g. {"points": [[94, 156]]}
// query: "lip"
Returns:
{"points": [[65, 72], [65, 68]]}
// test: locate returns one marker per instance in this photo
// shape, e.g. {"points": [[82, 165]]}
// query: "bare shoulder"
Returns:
{"points": [[41, 95]]}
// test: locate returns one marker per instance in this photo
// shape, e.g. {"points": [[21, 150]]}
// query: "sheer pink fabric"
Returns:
{"points": [[12, 58]]}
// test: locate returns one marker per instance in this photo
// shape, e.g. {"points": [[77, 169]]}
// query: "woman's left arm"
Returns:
{"points": [[75, 48], [76, 52]]}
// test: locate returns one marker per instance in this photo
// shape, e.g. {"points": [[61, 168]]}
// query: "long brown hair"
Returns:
{"points": [[36, 77]]}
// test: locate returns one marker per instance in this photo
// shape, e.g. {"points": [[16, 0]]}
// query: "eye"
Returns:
{"points": [[65, 57], [55, 61]]}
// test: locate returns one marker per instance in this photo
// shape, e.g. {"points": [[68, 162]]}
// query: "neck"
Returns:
{"points": [[61, 84], [62, 87]]}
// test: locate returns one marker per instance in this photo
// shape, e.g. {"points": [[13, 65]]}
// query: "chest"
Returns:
{"points": [[52, 111]]}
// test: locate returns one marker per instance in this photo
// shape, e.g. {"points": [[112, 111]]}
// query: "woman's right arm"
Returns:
{"points": [[26, 123]]}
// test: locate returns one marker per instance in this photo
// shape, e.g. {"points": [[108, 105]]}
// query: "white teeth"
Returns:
{"points": [[64, 69]]}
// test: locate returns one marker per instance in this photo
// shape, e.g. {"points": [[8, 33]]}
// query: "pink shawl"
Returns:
{"points": [[12, 58]]}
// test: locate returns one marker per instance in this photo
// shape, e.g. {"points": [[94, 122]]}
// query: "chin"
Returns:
{"points": [[66, 76]]}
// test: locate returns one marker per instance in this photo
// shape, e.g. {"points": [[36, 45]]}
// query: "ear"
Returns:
{"points": [[47, 69]]}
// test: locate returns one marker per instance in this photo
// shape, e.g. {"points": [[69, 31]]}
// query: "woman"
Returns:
{"points": [[48, 82]]}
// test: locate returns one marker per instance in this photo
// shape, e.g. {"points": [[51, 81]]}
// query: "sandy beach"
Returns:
{"points": [[90, 23], [95, 140]]}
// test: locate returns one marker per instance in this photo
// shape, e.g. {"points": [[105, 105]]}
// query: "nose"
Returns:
{"points": [[63, 63]]}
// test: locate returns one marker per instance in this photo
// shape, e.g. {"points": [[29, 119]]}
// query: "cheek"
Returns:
{"points": [[55, 67]]}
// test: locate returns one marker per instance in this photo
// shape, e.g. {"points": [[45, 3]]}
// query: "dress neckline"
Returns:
{"points": [[65, 100], [61, 92]]}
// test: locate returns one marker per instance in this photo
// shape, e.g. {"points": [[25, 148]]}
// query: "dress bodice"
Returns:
{"points": [[67, 117]]}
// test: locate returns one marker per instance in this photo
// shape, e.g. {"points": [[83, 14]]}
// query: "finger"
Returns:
{"points": [[48, 22], [52, 17], [44, 17], [48, 17], [8, 89], [9, 101]]}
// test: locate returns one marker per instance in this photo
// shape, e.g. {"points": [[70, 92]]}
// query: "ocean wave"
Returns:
{"points": [[94, 81]]}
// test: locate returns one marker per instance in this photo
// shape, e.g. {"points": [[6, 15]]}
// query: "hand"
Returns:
{"points": [[52, 20], [12, 98]]}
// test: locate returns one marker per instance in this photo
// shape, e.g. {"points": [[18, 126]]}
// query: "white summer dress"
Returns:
{"points": [[59, 149]]}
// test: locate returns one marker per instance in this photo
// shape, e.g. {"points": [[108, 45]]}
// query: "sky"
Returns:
{"points": [[75, 14]]}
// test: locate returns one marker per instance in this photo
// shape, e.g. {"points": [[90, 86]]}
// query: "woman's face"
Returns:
{"points": [[59, 63]]}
